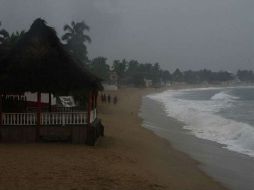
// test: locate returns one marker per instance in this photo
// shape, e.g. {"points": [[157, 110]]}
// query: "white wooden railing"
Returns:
{"points": [[19, 118], [48, 118], [63, 118]]}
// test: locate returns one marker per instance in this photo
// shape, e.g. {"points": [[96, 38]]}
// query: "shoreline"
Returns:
{"points": [[236, 172], [175, 169]]}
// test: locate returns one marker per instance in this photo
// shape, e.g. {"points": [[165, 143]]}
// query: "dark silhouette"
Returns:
{"points": [[8, 41], [75, 41], [115, 100], [102, 100], [245, 75], [99, 67], [120, 68], [109, 99], [177, 76]]}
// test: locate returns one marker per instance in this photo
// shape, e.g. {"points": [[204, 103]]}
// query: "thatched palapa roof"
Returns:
{"points": [[39, 63]]}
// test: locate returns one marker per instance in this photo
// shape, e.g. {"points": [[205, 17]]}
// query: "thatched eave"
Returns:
{"points": [[39, 63]]}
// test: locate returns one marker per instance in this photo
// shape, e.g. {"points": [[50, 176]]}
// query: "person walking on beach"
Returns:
{"points": [[102, 98], [109, 99], [115, 100]]}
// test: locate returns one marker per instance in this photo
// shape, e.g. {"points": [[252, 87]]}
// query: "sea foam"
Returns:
{"points": [[202, 120], [224, 96]]}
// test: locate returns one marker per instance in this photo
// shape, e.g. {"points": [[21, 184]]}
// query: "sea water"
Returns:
{"points": [[222, 115]]}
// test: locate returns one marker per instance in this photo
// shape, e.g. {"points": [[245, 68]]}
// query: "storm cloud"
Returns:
{"points": [[186, 34]]}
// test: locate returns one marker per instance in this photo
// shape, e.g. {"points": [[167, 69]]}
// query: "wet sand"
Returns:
{"points": [[128, 157], [234, 170]]}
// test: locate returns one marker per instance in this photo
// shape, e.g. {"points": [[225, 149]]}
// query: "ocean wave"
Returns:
{"points": [[224, 96], [201, 119]]}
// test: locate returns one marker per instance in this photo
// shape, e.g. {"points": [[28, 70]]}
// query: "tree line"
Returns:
{"points": [[133, 72]]}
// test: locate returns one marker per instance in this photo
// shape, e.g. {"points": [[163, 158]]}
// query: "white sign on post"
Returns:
{"points": [[67, 101]]}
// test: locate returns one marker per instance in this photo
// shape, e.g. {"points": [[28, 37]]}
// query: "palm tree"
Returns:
{"points": [[4, 46], [12, 39], [8, 41], [3, 34], [75, 39]]}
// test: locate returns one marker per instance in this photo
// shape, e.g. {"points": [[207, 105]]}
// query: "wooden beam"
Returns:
{"points": [[96, 99], [50, 102], [1, 109], [89, 109], [92, 101], [38, 108]]}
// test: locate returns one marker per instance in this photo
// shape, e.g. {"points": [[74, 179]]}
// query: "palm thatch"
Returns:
{"points": [[39, 63]]}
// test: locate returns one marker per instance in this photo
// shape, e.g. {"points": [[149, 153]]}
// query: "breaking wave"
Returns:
{"points": [[203, 120], [224, 96]]}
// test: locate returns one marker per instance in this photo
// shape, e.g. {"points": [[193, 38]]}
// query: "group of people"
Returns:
{"points": [[107, 99]]}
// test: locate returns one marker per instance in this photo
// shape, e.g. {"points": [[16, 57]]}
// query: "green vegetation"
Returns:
{"points": [[100, 68], [8, 41], [75, 39], [244, 75]]}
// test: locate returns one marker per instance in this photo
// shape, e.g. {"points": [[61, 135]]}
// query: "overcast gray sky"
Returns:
{"points": [[189, 34]]}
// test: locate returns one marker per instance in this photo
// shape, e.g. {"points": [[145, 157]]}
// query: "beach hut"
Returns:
{"points": [[39, 64]]}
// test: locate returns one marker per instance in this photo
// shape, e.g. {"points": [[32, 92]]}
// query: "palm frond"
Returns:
{"points": [[85, 26], [4, 33], [81, 27], [66, 36], [68, 28], [86, 38], [73, 23]]}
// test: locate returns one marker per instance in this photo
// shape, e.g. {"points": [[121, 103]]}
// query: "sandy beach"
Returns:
{"points": [[128, 157]]}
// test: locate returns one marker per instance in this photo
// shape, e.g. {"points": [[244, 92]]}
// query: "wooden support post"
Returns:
{"points": [[95, 103], [38, 108], [91, 132], [89, 109], [96, 99], [38, 121], [1, 109], [92, 101], [50, 102]]}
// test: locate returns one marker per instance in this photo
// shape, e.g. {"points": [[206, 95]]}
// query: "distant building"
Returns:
{"points": [[112, 83], [113, 78], [148, 83]]}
